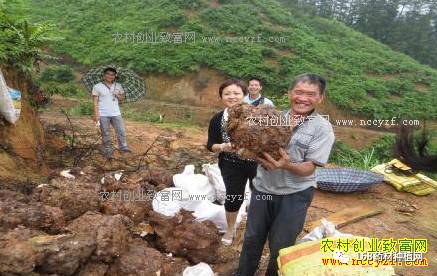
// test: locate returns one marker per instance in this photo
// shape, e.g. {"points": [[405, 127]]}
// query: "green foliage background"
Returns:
{"points": [[365, 77]]}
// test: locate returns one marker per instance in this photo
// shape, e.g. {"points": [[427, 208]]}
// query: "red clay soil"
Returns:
{"points": [[41, 236]]}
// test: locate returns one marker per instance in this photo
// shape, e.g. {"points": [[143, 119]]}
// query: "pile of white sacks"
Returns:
{"points": [[203, 194]]}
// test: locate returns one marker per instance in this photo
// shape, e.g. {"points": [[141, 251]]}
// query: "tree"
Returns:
{"points": [[406, 26], [22, 43], [22, 145]]}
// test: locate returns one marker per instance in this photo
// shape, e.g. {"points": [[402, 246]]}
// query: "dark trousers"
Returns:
{"points": [[281, 218], [235, 176]]}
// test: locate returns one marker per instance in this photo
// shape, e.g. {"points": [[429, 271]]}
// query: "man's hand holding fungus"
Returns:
{"points": [[271, 164]]}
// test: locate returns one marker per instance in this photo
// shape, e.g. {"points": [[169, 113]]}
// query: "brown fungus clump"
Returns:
{"points": [[255, 130]]}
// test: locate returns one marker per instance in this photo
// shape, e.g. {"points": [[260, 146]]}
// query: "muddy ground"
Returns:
{"points": [[103, 237]]}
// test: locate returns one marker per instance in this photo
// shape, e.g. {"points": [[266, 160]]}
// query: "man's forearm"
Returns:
{"points": [[96, 110], [301, 169], [121, 97], [96, 106]]}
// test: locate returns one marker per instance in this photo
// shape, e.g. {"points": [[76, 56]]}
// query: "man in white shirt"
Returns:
{"points": [[106, 95], [254, 97]]}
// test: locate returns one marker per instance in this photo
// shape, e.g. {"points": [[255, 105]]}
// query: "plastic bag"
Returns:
{"points": [[16, 100], [7, 109], [217, 214], [207, 210], [201, 269], [167, 201], [324, 230], [212, 171], [194, 184]]}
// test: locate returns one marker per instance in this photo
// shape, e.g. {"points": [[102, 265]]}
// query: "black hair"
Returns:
{"points": [[310, 78], [109, 69], [257, 79], [229, 82]]}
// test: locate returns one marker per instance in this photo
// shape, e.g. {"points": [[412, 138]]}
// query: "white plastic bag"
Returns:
{"points": [[194, 184], [167, 201], [7, 109], [212, 171], [207, 210], [201, 269], [324, 230]]}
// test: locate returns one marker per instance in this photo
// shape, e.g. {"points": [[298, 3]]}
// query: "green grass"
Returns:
{"points": [[380, 151], [56, 73], [85, 108], [69, 89], [365, 77], [181, 125], [141, 115]]}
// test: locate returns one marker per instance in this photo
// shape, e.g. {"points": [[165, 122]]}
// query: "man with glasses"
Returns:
{"points": [[106, 95], [284, 188]]}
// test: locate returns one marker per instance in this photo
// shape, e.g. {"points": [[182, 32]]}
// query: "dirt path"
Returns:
{"points": [[187, 146]]}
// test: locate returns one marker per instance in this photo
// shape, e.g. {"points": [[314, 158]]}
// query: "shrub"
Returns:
{"points": [[59, 74]]}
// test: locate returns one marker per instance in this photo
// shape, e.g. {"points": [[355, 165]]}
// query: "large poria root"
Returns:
{"points": [[184, 237], [259, 129], [66, 227]]}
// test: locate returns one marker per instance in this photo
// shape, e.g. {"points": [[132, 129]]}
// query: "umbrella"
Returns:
{"points": [[133, 85]]}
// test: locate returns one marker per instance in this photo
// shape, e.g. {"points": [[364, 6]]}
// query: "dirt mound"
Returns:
{"points": [[12, 195], [24, 250], [131, 203], [62, 254], [185, 237], [22, 145], [257, 130], [64, 228], [73, 197], [86, 226], [32, 214], [110, 234], [130, 196], [16, 253], [132, 262], [94, 269]]}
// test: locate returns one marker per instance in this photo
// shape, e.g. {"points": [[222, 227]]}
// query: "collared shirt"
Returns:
{"points": [[248, 100], [312, 140], [108, 103]]}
